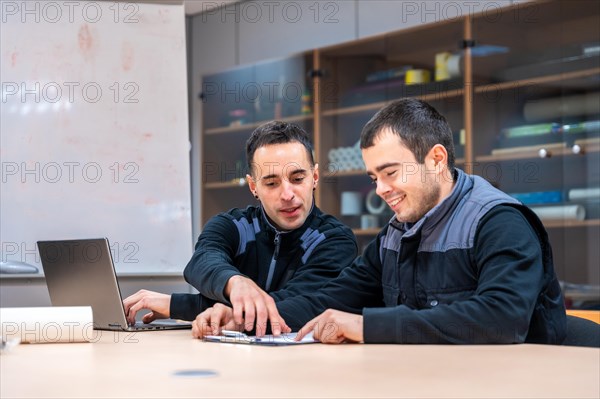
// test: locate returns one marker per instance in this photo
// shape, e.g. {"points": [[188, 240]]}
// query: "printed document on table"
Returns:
{"points": [[234, 337]]}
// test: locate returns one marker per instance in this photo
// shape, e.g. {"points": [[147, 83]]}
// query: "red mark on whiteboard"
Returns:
{"points": [[86, 41], [127, 56]]}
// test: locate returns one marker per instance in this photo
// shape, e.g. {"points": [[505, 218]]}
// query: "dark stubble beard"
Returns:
{"points": [[429, 200]]}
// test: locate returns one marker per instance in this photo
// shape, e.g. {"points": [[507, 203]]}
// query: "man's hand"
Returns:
{"points": [[213, 320], [158, 303], [334, 327], [250, 302]]}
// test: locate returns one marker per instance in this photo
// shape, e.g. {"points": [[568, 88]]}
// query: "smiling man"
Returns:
{"points": [[460, 263], [252, 258]]}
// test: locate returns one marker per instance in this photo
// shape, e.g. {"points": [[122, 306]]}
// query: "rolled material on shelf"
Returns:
{"points": [[561, 212], [535, 129], [582, 127], [555, 107], [539, 197], [374, 204], [48, 324], [351, 203], [576, 194]]}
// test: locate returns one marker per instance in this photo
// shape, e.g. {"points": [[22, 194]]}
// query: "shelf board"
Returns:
{"points": [[254, 125], [222, 185], [378, 105], [547, 224], [366, 232], [533, 154], [441, 95], [362, 172], [346, 173], [585, 73], [552, 224], [355, 109]]}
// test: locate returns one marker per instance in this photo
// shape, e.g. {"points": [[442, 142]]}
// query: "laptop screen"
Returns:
{"points": [[82, 273]]}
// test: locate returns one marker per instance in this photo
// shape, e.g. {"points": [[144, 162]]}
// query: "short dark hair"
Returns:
{"points": [[277, 132], [418, 125]]}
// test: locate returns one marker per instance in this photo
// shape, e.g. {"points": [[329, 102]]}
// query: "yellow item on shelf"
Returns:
{"points": [[416, 76], [441, 66]]}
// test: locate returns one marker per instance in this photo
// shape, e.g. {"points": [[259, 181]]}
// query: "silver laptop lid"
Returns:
{"points": [[82, 273]]}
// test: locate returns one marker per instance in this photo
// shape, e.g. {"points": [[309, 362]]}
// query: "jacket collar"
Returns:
{"points": [[293, 233], [462, 185]]}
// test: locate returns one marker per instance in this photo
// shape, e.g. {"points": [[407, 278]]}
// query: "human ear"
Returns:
{"points": [[252, 185], [438, 156]]}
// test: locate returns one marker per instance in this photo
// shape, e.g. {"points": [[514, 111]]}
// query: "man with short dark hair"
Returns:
{"points": [[460, 263], [256, 257]]}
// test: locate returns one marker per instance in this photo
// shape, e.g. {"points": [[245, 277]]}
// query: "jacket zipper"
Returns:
{"points": [[277, 242]]}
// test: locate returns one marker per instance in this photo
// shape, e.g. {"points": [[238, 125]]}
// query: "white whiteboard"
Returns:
{"points": [[94, 130]]}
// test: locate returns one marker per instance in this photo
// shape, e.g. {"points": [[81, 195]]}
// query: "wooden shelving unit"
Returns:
{"points": [[499, 74]]}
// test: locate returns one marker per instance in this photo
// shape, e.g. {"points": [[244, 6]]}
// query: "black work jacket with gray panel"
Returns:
{"points": [[476, 269], [284, 264]]}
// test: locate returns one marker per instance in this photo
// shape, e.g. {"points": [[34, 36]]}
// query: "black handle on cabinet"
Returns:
{"points": [[315, 73], [463, 44]]}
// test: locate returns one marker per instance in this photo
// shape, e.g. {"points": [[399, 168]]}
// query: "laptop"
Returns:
{"points": [[82, 273]]}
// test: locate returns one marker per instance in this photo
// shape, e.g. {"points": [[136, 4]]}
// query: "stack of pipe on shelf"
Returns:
{"points": [[583, 203], [346, 158]]}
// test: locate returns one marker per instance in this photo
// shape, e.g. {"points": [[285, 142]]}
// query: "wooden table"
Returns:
{"points": [[149, 364]]}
